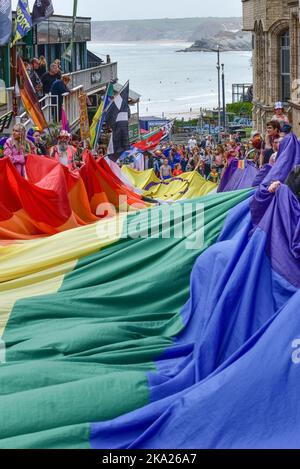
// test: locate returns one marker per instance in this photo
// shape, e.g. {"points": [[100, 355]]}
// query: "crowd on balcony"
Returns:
{"points": [[50, 80]]}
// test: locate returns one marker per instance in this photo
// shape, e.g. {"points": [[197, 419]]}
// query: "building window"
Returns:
{"points": [[285, 66]]}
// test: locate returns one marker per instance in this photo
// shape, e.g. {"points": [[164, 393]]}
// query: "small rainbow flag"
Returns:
{"points": [[242, 164]]}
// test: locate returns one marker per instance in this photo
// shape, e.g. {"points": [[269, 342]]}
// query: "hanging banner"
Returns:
{"points": [[84, 119], [23, 23]]}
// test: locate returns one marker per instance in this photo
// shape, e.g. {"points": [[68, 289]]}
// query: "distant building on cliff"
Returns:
{"points": [[276, 65]]}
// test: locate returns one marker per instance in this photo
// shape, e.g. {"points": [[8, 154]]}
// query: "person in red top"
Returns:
{"points": [[178, 170]]}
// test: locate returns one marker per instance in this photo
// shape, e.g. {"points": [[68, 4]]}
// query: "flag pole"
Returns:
{"points": [[101, 121], [67, 54], [51, 136]]}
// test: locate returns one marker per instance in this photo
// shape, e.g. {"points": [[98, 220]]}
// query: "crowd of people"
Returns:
{"points": [[50, 80], [66, 149], [204, 155], [210, 157]]}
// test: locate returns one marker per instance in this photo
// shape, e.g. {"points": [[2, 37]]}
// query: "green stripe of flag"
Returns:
{"points": [[82, 355]]}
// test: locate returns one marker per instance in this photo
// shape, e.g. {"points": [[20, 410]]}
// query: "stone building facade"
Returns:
{"points": [[276, 66]]}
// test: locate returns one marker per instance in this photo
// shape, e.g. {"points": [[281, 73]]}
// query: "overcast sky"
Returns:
{"points": [[139, 9]]}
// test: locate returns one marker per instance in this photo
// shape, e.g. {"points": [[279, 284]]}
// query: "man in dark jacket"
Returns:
{"points": [[35, 79], [59, 88], [49, 78]]}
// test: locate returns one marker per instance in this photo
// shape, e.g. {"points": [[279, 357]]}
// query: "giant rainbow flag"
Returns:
{"points": [[53, 200], [186, 186], [188, 338]]}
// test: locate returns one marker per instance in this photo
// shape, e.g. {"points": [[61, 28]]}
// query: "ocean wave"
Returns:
{"points": [[188, 98], [156, 101]]}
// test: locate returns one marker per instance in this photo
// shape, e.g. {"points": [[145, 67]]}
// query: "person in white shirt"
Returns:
{"points": [[139, 163], [279, 115], [192, 143]]}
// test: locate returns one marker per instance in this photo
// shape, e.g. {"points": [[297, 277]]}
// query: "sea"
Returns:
{"points": [[172, 83]]}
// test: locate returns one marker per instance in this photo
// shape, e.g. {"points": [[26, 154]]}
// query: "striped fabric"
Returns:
{"points": [[53, 200], [85, 314], [186, 186]]}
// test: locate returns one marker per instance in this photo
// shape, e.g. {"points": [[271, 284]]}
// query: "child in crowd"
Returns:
{"points": [[213, 176], [178, 170], [165, 170]]}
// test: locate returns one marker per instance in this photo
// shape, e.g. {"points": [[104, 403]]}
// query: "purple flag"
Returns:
{"points": [[42, 10]]}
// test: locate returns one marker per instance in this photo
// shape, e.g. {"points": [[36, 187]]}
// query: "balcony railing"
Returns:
{"points": [[49, 106], [89, 80], [72, 107], [93, 79]]}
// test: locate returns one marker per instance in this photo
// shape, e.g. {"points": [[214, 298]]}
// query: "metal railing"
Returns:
{"points": [[89, 81], [71, 106], [49, 106], [93, 79]]}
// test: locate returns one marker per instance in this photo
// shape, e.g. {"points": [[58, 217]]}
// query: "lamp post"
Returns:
{"points": [[223, 93], [219, 92], [201, 117]]}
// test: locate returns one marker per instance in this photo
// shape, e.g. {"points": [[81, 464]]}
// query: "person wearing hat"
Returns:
{"points": [[64, 152], [279, 115], [35, 136]]}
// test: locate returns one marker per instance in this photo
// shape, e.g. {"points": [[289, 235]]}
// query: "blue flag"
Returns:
{"points": [[23, 20], [5, 22]]}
